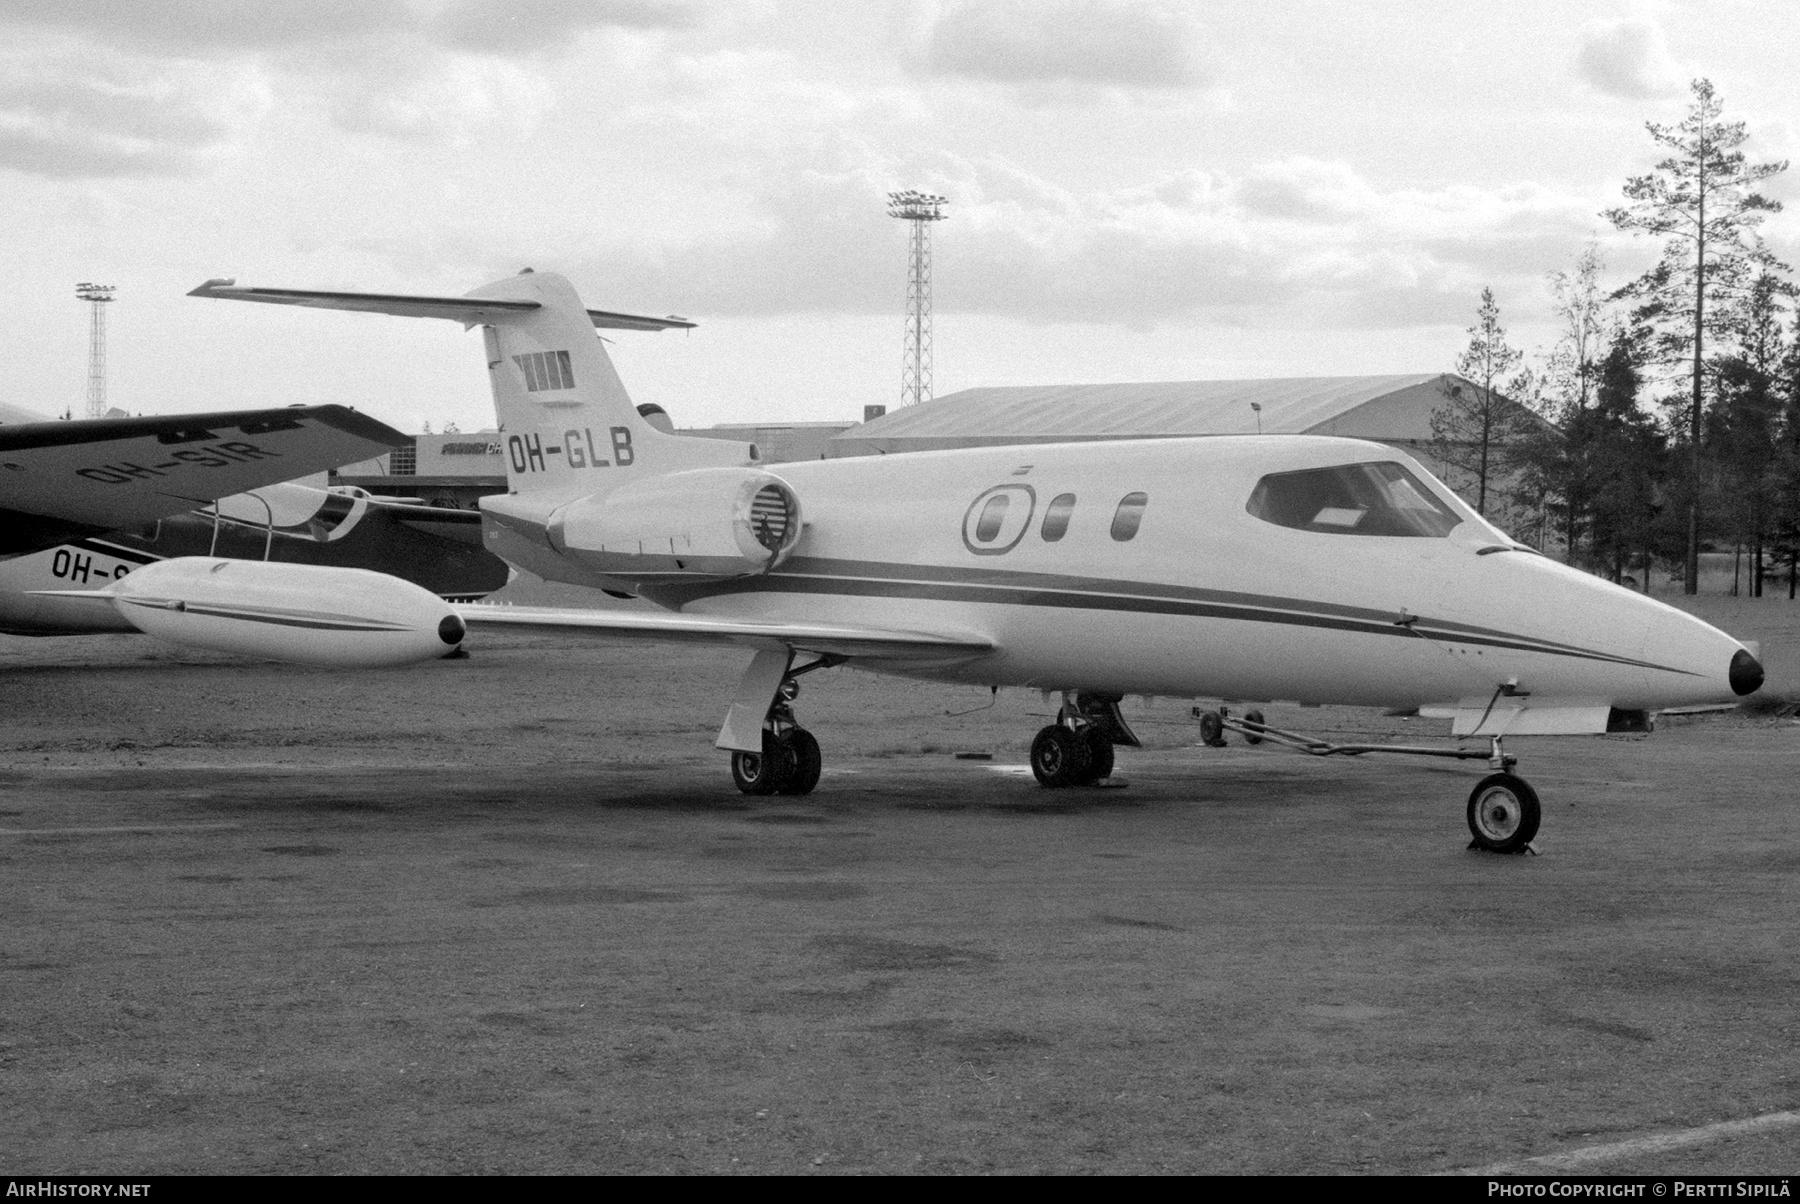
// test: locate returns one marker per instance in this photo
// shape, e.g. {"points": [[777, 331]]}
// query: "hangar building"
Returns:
{"points": [[1388, 409], [454, 468], [447, 469]]}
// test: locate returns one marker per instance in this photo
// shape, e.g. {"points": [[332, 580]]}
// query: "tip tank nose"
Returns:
{"points": [[1746, 675]]}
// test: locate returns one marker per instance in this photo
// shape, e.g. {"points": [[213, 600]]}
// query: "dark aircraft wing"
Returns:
{"points": [[463, 526], [64, 480]]}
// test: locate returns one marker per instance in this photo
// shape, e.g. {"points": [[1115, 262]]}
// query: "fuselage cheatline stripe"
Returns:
{"points": [[827, 568], [1092, 599]]}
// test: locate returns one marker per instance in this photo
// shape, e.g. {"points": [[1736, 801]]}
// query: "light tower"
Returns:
{"points": [[919, 208], [97, 296]]}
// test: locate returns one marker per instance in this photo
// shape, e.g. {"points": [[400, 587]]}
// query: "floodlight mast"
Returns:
{"points": [[919, 208], [97, 296]]}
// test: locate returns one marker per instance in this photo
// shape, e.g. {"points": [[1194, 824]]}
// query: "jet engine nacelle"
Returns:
{"points": [[713, 522], [300, 613]]}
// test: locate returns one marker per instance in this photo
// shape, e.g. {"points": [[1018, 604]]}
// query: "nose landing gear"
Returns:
{"points": [[1503, 810]]}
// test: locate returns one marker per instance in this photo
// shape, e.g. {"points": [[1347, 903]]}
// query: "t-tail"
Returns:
{"points": [[569, 428], [594, 492]]}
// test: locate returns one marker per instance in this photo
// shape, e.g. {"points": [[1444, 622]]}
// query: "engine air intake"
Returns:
{"points": [[771, 516]]}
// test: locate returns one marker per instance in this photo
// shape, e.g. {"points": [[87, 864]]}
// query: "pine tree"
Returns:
{"points": [[1744, 423], [1701, 201], [1471, 429], [1786, 492], [1624, 458], [1553, 460]]}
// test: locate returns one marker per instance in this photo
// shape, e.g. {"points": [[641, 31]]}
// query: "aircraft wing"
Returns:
{"points": [[470, 311], [463, 526], [823, 638], [63, 480]]}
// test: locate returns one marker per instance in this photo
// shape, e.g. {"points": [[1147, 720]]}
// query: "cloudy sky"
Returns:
{"points": [[1139, 189]]}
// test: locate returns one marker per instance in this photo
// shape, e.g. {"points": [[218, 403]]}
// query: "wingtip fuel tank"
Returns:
{"points": [[301, 614]]}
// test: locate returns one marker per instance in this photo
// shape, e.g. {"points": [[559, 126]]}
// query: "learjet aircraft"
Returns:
{"points": [[1311, 569]]}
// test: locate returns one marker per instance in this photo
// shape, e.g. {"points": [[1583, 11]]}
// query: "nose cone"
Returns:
{"points": [[1746, 673]]}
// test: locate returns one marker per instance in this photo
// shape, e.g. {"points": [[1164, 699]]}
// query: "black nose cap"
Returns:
{"points": [[451, 631], [1746, 673]]}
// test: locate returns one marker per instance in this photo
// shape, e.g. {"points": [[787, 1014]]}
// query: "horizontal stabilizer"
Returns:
{"points": [[828, 639], [470, 311]]}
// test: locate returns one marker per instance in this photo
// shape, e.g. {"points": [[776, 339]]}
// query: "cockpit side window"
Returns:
{"points": [[1353, 499]]}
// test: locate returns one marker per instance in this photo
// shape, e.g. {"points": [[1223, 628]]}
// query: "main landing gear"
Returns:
{"points": [[1503, 810], [1077, 750], [770, 752], [789, 762]]}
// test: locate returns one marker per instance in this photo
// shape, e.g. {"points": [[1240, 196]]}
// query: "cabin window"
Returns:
{"points": [[1056, 517], [992, 515], [1353, 499], [1129, 514]]}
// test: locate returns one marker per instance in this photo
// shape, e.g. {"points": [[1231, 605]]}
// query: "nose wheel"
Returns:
{"points": [[1503, 813]]}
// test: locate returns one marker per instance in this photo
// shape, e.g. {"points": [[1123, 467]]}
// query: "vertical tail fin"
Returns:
{"points": [[569, 429], [567, 424]]}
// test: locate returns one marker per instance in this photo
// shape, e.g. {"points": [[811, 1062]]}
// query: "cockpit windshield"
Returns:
{"points": [[1353, 499]]}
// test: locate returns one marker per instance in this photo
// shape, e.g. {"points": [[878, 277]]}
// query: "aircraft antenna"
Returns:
{"points": [[97, 296], [921, 209]]}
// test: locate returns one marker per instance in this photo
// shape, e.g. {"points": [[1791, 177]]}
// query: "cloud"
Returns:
{"points": [[528, 26], [1627, 58], [448, 99], [68, 115], [205, 27], [1287, 243], [196, 27], [157, 87], [1116, 43]]}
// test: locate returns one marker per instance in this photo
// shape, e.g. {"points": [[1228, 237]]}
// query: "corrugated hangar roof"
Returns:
{"points": [[1390, 408]]}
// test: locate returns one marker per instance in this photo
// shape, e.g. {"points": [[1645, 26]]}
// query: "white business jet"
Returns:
{"points": [[1317, 570]]}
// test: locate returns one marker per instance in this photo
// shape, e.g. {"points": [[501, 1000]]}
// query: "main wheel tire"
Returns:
{"points": [[1058, 757], [1100, 756], [764, 772], [1212, 729], [806, 760], [1253, 717], [1503, 813]]}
